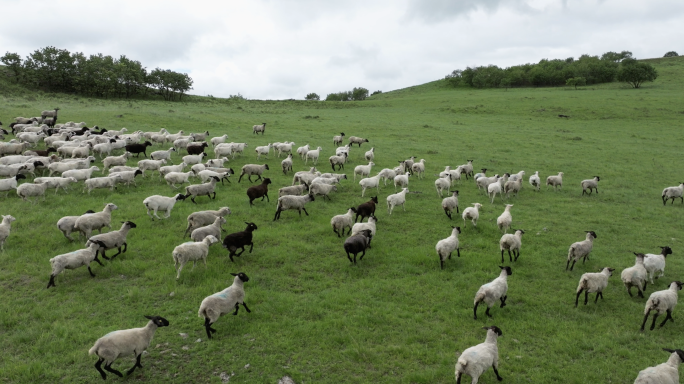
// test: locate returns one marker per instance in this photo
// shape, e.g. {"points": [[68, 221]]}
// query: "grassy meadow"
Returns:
{"points": [[395, 317]]}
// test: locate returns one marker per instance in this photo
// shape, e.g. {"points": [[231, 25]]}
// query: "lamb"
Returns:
{"points": [[239, 240], [322, 189], [201, 218], [67, 224], [295, 190], [7, 185], [200, 136], [636, 276], [673, 193], [60, 167], [192, 251], [401, 180], [73, 260], [313, 155], [81, 174], [87, 223], [213, 229], [358, 243], [201, 189], [581, 249], [656, 263], [293, 202], [252, 169], [259, 128], [193, 159], [32, 190], [115, 160], [224, 302], [513, 186], [113, 239], [397, 199], [163, 171], [472, 213], [449, 203], [257, 191], [590, 184], [301, 151], [446, 246], [504, 221], [5, 227], [263, 150], [555, 181], [357, 140], [442, 184], [339, 161], [56, 182], [127, 177], [161, 203], [152, 165], [218, 140], [511, 243], [593, 282], [667, 372], [363, 170], [475, 361], [493, 291], [216, 162], [337, 140], [121, 168], [387, 174], [340, 222], [166, 155], [662, 302], [102, 182], [370, 155], [419, 168], [286, 164], [480, 174], [223, 150], [123, 343], [178, 177], [370, 182]]}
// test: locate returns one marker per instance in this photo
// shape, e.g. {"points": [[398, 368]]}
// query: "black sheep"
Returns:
{"points": [[258, 191], [357, 244], [239, 240], [366, 209], [196, 149], [44, 152], [138, 148]]}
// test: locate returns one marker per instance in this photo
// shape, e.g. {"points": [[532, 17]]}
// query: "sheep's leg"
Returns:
{"points": [[601, 294], [276, 215], [668, 317], [573, 264], [497, 373], [51, 283], [655, 316], [155, 215], [516, 255], [645, 284], [502, 256], [237, 307], [337, 233], [193, 199], [307, 213], [208, 328], [350, 259], [577, 297], [98, 366], [510, 258], [458, 252], [441, 262], [267, 198], [250, 178], [487, 313], [641, 293], [586, 296], [98, 260], [103, 254], [364, 253], [137, 364], [91, 272], [503, 301], [109, 368], [251, 246], [246, 309], [629, 290]]}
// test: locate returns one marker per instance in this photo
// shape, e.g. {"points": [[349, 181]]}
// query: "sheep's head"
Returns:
{"points": [[677, 351], [494, 329], [129, 224], [508, 270], [180, 196], [458, 229], [592, 233], [158, 321], [374, 199], [666, 250], [242, 276], [251, 227]]}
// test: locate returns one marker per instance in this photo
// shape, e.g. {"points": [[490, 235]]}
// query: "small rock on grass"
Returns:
{"points": [[286, 380], [183, 335]]}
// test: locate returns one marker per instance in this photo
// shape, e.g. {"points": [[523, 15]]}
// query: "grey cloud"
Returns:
{"points": [[443, 10]]}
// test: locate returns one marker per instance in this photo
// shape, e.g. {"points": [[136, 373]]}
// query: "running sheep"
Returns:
{"points": [[673, 193], [636, 276], [294, 190], [87, 223], [152, 165], [340, 222], [555, 181], [370, 182], [202, 218], [656, 263], [115, 160], [362, 170], [161, 203], [371, 225], [357, 140], [313, 154], [224, 302], [419, 168], [396, 200], [127, 177], [356, 243], [166, 155], [5, 227], [493, 291], [213, 229], [665, 373], [475, 361], [511, 243], [192, 251], [253, 169], [178, 177], [590, 184], [286, 164], [442, 184], [32, 190], [102, 182], [662, 302], [535, 182], [208, 188], [293, 202], [450, 203], [581, 250], [113, 239], [73, 260], [506, 219], [67, 224], [593, 282], [81, 174], [56, 182], [322, 189], [446, 246]]}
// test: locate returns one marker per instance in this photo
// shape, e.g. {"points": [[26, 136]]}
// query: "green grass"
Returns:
{"points": [[395, 317]]}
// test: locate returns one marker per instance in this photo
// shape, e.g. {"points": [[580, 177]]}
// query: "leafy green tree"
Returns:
{"points": [[312, 96], [576, 81], [376, 92], [616, 57], [13, 63], [454, 78], [635, 73], [671, 54], [359, 93]]}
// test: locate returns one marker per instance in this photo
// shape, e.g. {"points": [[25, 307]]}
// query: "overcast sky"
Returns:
{"points": [[280, 49]]}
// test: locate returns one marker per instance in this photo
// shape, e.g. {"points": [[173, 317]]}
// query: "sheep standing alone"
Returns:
{"points": [[673, 193], [396, 200], [581, 250], [126, 342], [593, 282], [253, 169], [259, 128], [221, 303], [161, 203], [73, 260], [506, 219], [590, 184], [656, 263], [5, 227], [293, 202], [491, 292], [511, 243], [113, 239], [357, 243], [535, 182], [662, 302], [665, 373], [446, 246], [450, 203], [340, 222], [192, 251], [636, 276], [475, 361], [555, 181], [202, 218]]}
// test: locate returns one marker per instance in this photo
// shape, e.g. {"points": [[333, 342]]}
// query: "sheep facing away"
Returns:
{"points": [[471, 213], [491, 292], [593, 282], [5, 227], [475, 361], [580, 250], [511, 243], [635, 276], [223, 302], [662, 302], [358, 243], [340, 222], [667, 372], [446, 246]]}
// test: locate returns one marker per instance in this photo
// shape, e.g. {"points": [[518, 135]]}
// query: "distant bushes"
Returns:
{"points": [[355, 94], [312, 96], [671, 54], [58, 70]]}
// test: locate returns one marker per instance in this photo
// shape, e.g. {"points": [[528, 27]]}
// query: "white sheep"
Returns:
{"points": [[396, 200], [163, 171], [89, 222], [635, 276], [259, 128], [115, 160], [56, 182], [656, 263], [467, 168], [370, 155], [337, 140], [401, 181], [285, 147], [513, 186], [475, 361], [293, 202], [192, 251], [590, 184], [534, 181], [370, 182], [301, 151], [125, 342], [662, 302], [339, 161], [419, 168], [59, 167], [357, 140], [101, 183], [127, 177], [161, 203], [484, 182], [286, 164], [511, 243], [225, 149], [207, 174], [81, 174], [201, 218], [5, 227], [73, 260], [172, 178], [555, 181], [305, 177], [152, 165], [370, 225], [446, 246], [505, 220], [313, 155], [166, 155], [340, 150], [581, 249], [193, 159], [322, 189], [294, 190], [593, 282], [217, 162], [213, 229], [340, 222], [387, 174], [493, 291], [202, 189], [443, 184], [201, 136], [32, 190], [450, 203], [665, 373], [253, 169], [113, 239], [472, 213], [263, 150], [11, 183], [673, 193], [224, 302], [218, 140]]}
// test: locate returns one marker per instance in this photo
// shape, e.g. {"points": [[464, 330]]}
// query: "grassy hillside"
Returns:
{"points": [[395, 317]]}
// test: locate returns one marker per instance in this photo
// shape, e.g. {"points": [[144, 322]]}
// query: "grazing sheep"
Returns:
{"points": [[32, 190], [263, 150], [221, 303], [192, 251], [56, 182], [491, 292], [82, 174], [126, 342], [419, 168], [472, 213], [511, 243], [322, 189], [152, 165], [313, 154], [115, 160], [401, 181], [475, 361], [113, 239], [534, 181], [593, 282], [166, 155], [161, 203], [442, 184], [138, 148], [656, 263], [7, 185], [89, 222], [662, 302], [294, 190], [218, 140], [239, 240], [555, 181], [673, 193], [73, 260], [259, 128], [370, 182], [337, 140], [370, 155], [202, 189], [286, 164], [340, 222], [506, 219], [358, 243], [293, 202], [202, 218], [446, 246], [636, 276], [5, 227], [102, 182], [397, 199], [252, 169], [667, 372], [581, 249], [257, 191], [590, 184], [213, 229], [449, 203], [339, 161], [357, 140]]}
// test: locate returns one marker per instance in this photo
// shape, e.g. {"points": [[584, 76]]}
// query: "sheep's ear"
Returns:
{"points": [[501, 267], [149, 317], [246, 223], [611, 269], [234, 274], [669, 350]]}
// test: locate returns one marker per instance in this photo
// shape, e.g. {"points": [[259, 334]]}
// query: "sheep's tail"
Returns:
{"points": [[651, 304], [479, 297], [571, 252], [461, 365], [94, 349], [583, 284]]}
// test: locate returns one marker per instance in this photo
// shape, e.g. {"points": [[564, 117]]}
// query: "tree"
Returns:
{"points": [[312, 96], [635, 73], [576, 81], [671, 54], [454, 78], [359, 93], [13, 63], [376, 92], [616, 57]]}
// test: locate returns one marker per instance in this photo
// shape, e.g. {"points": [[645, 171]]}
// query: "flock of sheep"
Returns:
{"points": [[80, 146]]}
